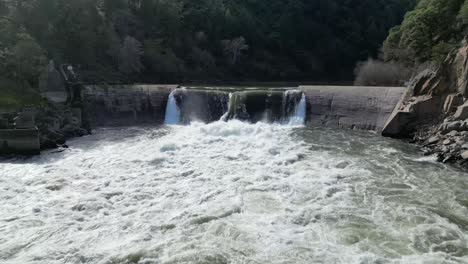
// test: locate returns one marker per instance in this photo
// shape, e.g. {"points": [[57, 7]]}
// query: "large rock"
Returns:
{"points": [[432, 96], [464, 155], [459, 71], [410, 114], [452, 102], [462, 112]]}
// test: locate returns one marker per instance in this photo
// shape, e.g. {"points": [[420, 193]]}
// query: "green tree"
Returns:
{"points": [[27, 60], [427, 33], [199, 39]]}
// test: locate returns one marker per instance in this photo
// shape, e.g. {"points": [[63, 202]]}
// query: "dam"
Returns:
{"points": [[233, 175], [351, 107]]}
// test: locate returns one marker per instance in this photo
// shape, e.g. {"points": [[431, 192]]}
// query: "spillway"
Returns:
{"points": [[349, 107], [283, 106]]}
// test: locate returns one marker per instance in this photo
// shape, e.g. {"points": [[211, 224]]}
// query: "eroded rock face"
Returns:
{"points": [[460, 71], [462, 112], [435, 111]]}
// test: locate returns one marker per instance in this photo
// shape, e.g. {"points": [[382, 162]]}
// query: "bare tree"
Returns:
{"points": [[233, 48], [379, 73], [130, 56]]}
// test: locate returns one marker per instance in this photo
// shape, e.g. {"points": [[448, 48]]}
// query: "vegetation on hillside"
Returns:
{"points": [[424, 39], [428, 33], [186, 40]]}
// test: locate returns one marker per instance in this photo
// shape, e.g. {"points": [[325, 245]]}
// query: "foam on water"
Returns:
{"points": [[231, 192]]}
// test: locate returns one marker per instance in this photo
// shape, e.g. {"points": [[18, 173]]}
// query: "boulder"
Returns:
{"points": [[432, 140], [408, 115], [452, 102], [462, 112], [451, 126], [464, 155]]}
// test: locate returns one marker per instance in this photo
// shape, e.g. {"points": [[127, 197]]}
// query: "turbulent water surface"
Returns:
{"points": [[232, 193]]}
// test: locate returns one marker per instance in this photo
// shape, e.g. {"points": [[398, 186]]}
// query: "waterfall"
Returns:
{"points": [[293, 108], [172, 111], [225, 117], [299, 115], [287, 107]]}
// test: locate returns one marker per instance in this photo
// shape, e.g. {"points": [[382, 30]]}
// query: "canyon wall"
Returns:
{"points": [[434, 110]]}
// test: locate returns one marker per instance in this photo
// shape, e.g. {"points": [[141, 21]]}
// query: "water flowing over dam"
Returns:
{"points": [[353, 107], [234, 176], [269, 106]]}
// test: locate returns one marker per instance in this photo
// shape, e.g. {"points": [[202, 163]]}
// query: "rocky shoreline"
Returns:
{"points": [[434, 112], [57, 126], [448, 147]]}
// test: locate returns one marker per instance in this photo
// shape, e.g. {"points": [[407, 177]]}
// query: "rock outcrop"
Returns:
{"points": [[434, 111]]}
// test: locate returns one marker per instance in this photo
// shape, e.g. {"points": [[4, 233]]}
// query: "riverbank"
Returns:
{"points": [[434, 111]]}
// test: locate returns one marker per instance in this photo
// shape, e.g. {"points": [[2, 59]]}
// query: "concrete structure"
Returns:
{"points": [[357, 107], [26, 119], [19, 141], [114, 105], [52, 85], [56, 97]]}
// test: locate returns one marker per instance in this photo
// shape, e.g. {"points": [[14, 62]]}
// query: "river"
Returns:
{"points": [[232, 192]]}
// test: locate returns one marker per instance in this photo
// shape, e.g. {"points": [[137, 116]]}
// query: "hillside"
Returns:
{"points": [[428, 33], [182, 40]]}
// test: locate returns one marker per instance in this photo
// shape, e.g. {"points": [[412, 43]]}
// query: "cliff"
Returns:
{"points": [[434, 111]]}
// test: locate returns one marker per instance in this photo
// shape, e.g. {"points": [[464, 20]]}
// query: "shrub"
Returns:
{"points": [[378, 73]]}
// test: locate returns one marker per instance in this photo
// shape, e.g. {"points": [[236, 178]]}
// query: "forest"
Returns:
{"points": [[216, 41]]}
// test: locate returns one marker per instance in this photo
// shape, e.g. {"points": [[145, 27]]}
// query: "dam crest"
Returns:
{"points": [[349, 107]]}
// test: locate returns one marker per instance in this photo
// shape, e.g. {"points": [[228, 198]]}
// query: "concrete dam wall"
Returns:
{"points": [[117, 105], [19, 141], [351, 107], [355, 107]]}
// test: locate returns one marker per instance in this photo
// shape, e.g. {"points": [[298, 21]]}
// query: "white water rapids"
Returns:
{"points": [[232, 192]]}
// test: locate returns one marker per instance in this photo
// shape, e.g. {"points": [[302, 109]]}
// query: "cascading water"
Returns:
{"points": [[172, 110], [226, 115], [255, 105], [299, 116], [197, 105], [294, 108]]}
